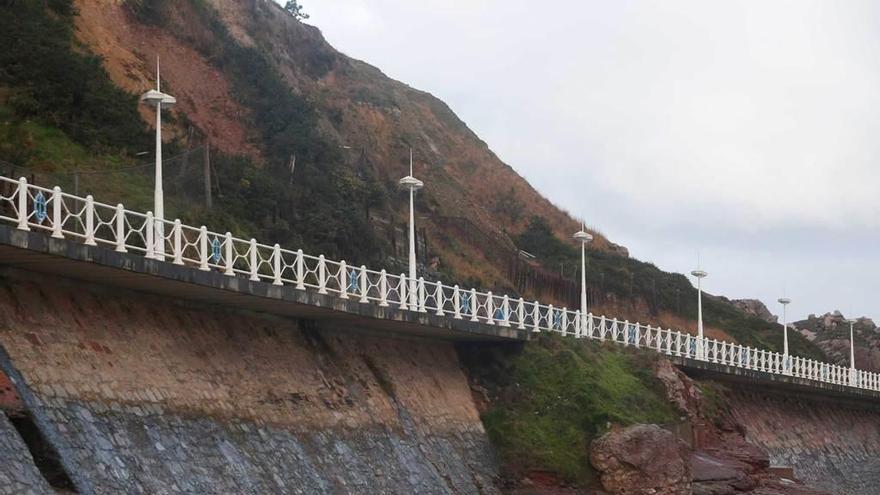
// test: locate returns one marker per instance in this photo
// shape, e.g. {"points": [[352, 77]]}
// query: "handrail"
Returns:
{"points": [[94, 223]]}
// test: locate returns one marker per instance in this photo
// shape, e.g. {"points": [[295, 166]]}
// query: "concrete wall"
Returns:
{"points": [[142, 394], [831, 444]]}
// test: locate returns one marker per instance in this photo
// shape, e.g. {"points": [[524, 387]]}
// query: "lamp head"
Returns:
{"points": [[155, 97], [410, 182], [784, 301], [699, 274], [583, 236]]}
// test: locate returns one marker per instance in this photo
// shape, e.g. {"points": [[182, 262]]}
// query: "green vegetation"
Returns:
{"points": [[631, 279], [50, 79], [554, 395]]}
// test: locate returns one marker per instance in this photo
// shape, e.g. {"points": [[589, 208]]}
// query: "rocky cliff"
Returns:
{"points": [[830, 332]]}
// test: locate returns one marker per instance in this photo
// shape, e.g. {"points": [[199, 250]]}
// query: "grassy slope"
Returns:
{"points": [[551, 397]]}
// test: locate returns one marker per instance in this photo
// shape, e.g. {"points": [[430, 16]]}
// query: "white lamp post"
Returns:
{"points": [[159, 99], [700, 275], [852, 352], [784, 301], [412, 184], [584, 237]]}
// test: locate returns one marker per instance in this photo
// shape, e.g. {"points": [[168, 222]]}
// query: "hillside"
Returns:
{"points": [[260, 89], [831, 333]]}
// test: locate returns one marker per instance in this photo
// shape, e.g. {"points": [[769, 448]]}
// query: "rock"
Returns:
{"points": [[642, 460], [755, 307], [680, 389]]}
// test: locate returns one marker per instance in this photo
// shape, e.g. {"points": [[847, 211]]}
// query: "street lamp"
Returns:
{"points": [[700, 275], [159, 99], [852, 351], [784, 301], [412, 184], [584, 237]]}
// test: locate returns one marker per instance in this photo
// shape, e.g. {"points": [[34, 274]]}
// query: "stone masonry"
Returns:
{"points": [[832, 446], [143, 394], [18, 474]]}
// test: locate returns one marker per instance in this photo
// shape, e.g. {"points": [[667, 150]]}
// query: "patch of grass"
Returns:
{"points": [[554, 396]]}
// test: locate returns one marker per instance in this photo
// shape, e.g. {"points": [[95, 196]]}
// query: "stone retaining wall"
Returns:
{"points": [[146, 395]]}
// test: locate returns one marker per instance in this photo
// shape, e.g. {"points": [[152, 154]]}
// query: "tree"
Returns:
{"points": [[295, 9]]}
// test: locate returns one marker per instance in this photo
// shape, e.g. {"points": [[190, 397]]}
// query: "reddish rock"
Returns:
{"points": [[642, 460]]}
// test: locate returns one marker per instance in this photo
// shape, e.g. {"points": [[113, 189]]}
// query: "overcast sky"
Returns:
{"points": [[749, 131]]}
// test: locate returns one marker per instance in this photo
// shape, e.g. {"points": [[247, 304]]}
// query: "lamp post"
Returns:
{"points": [[784, 301], [159, 99], [700, 275], [584, 237], [852, 352], [412, 184]]}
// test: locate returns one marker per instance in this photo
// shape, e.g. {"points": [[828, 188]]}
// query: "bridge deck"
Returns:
{"points": [[38, 252]]}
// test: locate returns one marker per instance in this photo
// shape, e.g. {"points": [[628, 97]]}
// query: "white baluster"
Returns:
{"points": [[564, 321], [577, 324], [490, 309], [343, 280], [178, 245], [276, 265], [365, 287], [456, 301], [230, 260], [421, 294], [383, 289], [550, 318], [252, 260], [23, 204], [300, 270], [402, 292], [57, 208], [474, 306], [536, 317], [521, 315], [322, 274], [90, 221], [439, 298], [149, 233], [505, 308], [203, 249], [120, 227]]}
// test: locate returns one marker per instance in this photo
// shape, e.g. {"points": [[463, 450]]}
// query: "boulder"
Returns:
{"points": [[755, 307], [642, 460]]}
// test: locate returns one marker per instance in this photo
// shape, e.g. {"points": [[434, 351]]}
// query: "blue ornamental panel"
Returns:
{"points": [[631, 334], [465, 304], [499, 314], [40, 210], [215, 250], [353, 282], [557, 319]]}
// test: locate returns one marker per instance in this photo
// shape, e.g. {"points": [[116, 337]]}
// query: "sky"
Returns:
{"points": [[747, 132]]}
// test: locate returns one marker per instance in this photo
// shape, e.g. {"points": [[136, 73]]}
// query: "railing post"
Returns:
{"points": [[505, 309], [276, 265], [203, 249], [678, 343], [22, 204], [230, 262], [252, 261], [602, 327], [563, 321], [490, 309], [383, 289], [365, 287], [149, 234], [456, 302], [521, 315], [178, 245], [421, 287], [536, 317], [343, 280], [322, 275], [120, 229], [90, 221], [473, 302], [577, 324], [57, 222], [402, 287], [300, 270], [439, 298]]}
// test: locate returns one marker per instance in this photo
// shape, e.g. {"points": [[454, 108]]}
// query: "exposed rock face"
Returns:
{"points": [[18, 474], [642, 459], [142, 395], [755, 307], [830, 332]]}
